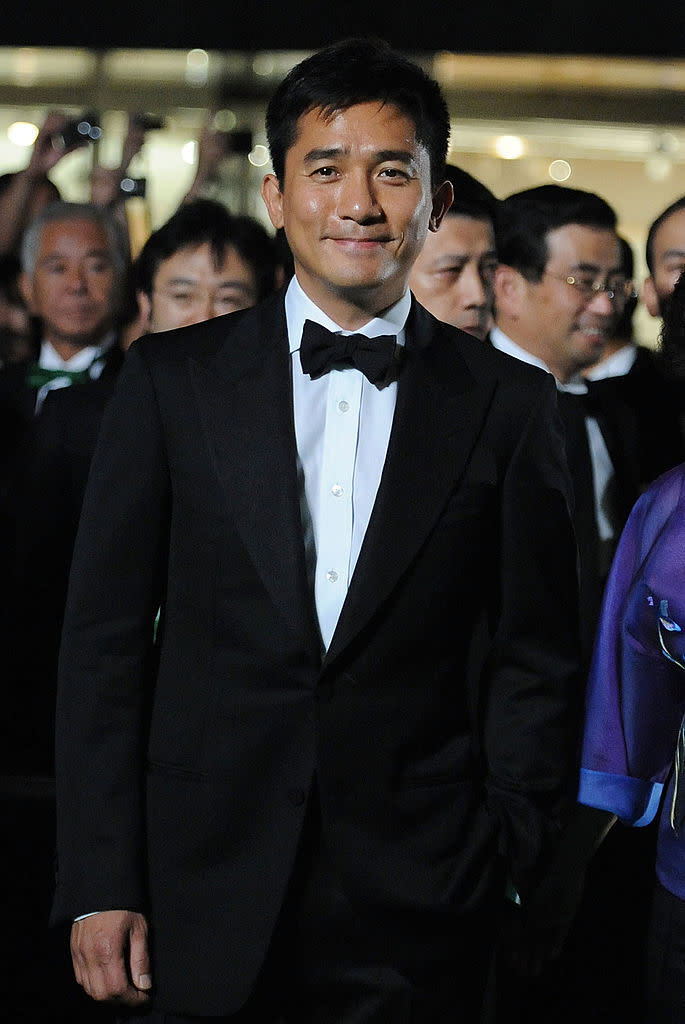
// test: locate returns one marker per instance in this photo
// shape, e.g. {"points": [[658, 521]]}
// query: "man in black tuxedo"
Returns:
{"points": [[300, 795], [560, 283], [556, 289]]}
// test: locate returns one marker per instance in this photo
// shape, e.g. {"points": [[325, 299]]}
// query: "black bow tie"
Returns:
{"points": [[320, 349]]}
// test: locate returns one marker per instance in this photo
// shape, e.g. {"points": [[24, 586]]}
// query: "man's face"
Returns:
{"points": [[668, 261], [72, 288], [356, 205], [190, 287], [567, 329], [453, 276]]}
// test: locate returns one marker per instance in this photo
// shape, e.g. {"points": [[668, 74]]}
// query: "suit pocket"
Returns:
{"points": [[174, 770]]}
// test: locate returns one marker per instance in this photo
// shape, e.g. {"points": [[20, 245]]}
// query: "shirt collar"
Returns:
{"points": [[299, 307], [575, 386], [81, 360], [616, 365]]}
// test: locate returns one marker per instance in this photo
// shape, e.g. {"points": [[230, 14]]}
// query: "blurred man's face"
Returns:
{"points": [[72, 288], [453, 276], [191, 287], [668, 260], [565, 324]]}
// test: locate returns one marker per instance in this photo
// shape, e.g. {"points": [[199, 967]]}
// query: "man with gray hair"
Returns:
{"points": [[73, 262], [73, 265]]}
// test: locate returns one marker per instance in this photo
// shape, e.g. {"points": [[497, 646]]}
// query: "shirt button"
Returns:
{"points": [[337, 490], [331, 575], [343, 406]]}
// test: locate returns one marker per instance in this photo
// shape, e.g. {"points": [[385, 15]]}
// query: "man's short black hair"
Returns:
{"points": [[527, 217], [471, 197], [358, 71], [207, 222], [679, 204]]}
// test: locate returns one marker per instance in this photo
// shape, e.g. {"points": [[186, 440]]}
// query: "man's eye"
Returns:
{"points": [[182, 297], [394, 172], [324, 172]]}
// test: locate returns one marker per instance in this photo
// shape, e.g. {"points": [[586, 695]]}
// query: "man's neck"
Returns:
{"points": [[67, 348], [562, 373], [350, 311]]}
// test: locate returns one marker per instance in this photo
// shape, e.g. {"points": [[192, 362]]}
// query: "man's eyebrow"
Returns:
{"points": [[175, 281], [401, 155], [592, 268], [57, 254], [670, 253], [324, 154]]}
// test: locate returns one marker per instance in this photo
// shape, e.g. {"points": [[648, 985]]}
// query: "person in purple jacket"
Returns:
{"points": [[633, 750]]}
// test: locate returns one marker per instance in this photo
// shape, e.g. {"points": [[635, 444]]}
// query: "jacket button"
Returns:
{"points": [[296, 796]]}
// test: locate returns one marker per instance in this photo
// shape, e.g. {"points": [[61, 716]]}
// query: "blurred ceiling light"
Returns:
{"points": [[197, 67], [658, 166], [189, 152], [22, 133], [224, 121], [509, 147], [259, 156], [560, 170], [263, 65]]}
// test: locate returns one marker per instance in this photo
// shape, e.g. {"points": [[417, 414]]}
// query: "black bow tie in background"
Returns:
{"points": [[320, 349]]}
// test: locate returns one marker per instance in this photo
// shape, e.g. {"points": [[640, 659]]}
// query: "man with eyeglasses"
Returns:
{"points": [[558, 288], [202, 263]]}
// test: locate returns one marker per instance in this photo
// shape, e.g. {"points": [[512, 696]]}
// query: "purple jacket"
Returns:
{"points": [[636, 691]]}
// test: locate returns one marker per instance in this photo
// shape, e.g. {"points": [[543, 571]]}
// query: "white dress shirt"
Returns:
{"points": [[90, 358], [342, 428]]}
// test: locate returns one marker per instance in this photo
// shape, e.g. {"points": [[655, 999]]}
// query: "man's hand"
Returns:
{"points": [[110, 956]]}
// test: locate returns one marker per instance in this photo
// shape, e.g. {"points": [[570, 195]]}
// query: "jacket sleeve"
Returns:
{"points": [[532, 685], [107, 655]]}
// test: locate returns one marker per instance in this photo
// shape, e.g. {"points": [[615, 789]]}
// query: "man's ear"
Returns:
{"points": [[144, 309], [509, 290], [273, 200], [650, 297], [443, 198], [25, 284]]}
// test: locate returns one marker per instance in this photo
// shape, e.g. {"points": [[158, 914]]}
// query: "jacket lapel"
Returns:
{"points": [[245, 400], [439, 413]]}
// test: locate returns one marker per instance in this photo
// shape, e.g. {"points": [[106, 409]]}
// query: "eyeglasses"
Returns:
{"points": [[589, 288]]}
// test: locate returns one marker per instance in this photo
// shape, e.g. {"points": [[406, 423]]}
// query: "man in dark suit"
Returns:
{"points": [[300, 796], [556, 289]]}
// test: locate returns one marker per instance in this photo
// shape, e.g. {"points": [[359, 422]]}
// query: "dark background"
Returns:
{"points": [[631, 28]]}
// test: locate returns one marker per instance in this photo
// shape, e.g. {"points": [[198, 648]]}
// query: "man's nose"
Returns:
{"points": [[471, 286], [601, 303], [76, 278], [357, 199]]}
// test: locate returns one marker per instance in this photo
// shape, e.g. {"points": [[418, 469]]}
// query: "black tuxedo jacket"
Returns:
{"points": [[437, 726], [44, 463]]}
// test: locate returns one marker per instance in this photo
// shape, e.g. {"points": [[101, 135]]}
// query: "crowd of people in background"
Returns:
{"points": [[542, 275]]}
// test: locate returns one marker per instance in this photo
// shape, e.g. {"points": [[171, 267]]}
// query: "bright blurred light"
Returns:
{"points": [[559, 170], [197, 67], [22, 133], [263, 65], [224, 121], [259, 156], [189, 152], [509, 147]]}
